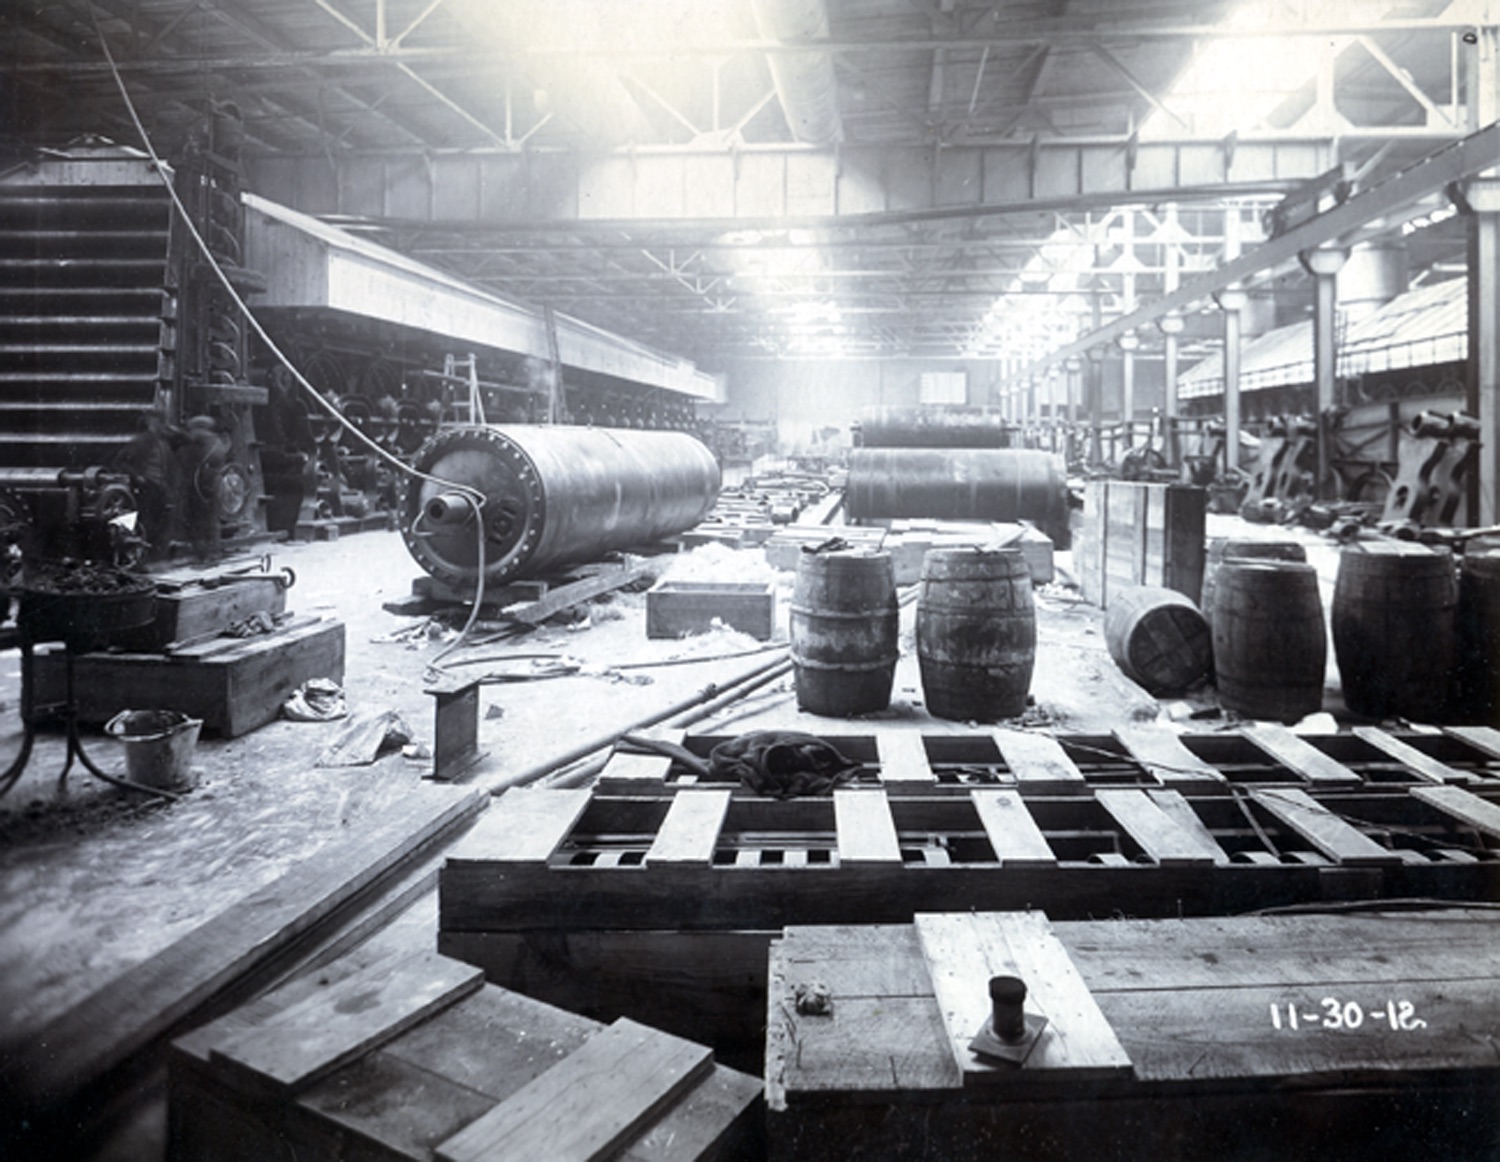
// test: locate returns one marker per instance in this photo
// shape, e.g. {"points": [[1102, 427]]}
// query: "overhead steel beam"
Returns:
{"points": [[1387, 205]]}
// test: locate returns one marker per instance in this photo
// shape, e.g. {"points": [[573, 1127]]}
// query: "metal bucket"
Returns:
{"points": [[159, 747]]}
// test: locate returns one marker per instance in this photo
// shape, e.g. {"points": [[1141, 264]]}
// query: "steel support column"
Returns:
{"points": [[1483, 379], [1324, 265], [1231, 303]]}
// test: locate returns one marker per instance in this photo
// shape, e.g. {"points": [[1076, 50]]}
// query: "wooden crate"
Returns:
{"points": [[1140, 534], [649, 896], [1250, 1037], [785, 545], [411, 1057], [233, 684], [193, 611], [677, 608]]}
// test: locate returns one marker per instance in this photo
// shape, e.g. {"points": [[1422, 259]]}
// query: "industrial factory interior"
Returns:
{"points": [[749, 580]]}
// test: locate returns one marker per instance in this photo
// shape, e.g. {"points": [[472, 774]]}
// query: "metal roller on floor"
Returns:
{"points": [[993, 484], [553, 495]]}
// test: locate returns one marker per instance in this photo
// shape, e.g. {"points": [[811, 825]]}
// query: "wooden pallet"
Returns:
{"points": [[586, 895], [1325, 1036], [411, 1058]]}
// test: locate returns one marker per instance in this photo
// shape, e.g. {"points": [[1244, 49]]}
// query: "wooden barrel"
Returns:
{"points": [[1395, 630], [1158, 639], [1222, 549], [844, 627], [1479, 636], [1270, 647], [976, 633]]}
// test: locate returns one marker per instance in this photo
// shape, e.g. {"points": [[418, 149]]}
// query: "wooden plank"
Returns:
{"points": [[1328, 833], [1152, 828], [536, 612], [1300, 755], [903, 758], [1012, 832], [1481, 738], [626, 771], [1039, 762], [1422, 765], [311, 1039], [525, 826], [865, 830], [1468, 808], [690, 832], [1166, 759], [964, 950], [153, 998], [589, 1105], [1181, 812]]}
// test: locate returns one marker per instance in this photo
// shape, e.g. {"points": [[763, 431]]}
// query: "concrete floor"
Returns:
{"points": [[93, 879]]}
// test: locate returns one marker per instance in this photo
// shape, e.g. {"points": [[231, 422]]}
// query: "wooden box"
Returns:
{"points": [[1140, 534], [1249, 1037], [194, 612], [653, 894], [411, 1057], [677, 608], [233, 684], [785, 545]]}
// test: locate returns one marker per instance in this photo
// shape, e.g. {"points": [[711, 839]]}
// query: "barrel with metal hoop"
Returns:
{"points": [[844, 631], [976, 633], [1270, 644], [1395, 630]]}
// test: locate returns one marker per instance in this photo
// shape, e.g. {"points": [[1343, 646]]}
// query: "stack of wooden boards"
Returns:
{"points": [[655, 894], [412, 1057]]}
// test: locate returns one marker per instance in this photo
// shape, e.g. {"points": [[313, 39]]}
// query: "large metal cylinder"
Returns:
{"points": [[553, 495], [933, 426], [997, 484]]}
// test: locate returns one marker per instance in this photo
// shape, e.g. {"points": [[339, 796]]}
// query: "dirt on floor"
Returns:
{"points": [[94, 879]]}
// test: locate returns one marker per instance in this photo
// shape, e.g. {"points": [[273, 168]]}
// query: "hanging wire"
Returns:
{"points": [[474, 497]]}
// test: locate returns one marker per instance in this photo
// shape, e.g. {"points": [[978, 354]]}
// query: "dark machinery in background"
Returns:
{"points": [[125, 377], [553, 495], [131, 382]]}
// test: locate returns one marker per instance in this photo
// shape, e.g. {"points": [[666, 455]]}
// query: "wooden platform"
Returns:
{"points": [[587, 895], [233, 684], [411, 1057], [1317, 1036]]}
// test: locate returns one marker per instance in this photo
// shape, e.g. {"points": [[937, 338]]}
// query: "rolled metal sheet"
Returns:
{"points": [[553, 495], [933, 426], [992, 484]]}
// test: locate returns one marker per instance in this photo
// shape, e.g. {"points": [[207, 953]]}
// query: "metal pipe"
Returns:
{"points": [[749, 680], [553, 495]]}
